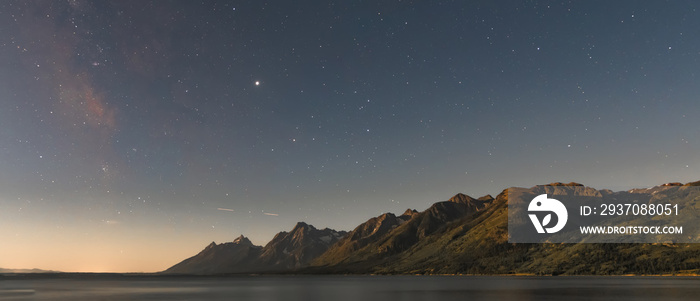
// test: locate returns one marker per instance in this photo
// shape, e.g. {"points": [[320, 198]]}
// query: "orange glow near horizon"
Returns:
{"points": [[118, 255], [97, 247], [79, 244]]}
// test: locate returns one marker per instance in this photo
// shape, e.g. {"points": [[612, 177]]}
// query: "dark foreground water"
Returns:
{"points": [[365, 288]]}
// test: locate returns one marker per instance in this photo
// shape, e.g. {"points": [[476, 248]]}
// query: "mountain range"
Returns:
{"points": [[286, 251], [26, 271], [462, 235]]}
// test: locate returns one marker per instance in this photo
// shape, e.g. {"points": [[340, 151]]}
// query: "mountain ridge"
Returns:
{"points": [[286, 251], [27, 271], [463, 235]]}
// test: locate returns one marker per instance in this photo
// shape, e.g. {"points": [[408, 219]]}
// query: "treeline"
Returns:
{"points": [[582, 259]]}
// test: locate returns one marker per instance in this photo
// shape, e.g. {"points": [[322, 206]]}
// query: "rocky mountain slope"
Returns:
{"points": [[478, 244], [231, 257], [295, 249], [392, 235], [286, 251], [464, 235]]}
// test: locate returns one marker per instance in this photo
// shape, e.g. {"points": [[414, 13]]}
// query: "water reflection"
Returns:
{"points": [[365, 288]]}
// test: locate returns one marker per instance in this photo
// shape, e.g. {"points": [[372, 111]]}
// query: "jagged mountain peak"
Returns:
{"points": [[302, 226], [387, 215], [242, 240], [461, 198], [655, 189], [410, 212], [564, 184], [294, 249], [559, 188], [227, 257], [486, 198], [673, 184]]}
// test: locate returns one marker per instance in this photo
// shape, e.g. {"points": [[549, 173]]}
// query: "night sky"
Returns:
{"points": [[132, 134]]}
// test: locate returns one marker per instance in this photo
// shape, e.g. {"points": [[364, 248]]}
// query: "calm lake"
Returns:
{"points": [[365, 288]]}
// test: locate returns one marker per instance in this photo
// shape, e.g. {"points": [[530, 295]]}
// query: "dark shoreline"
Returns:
{"points": [[159, 276]]}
